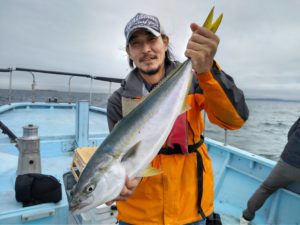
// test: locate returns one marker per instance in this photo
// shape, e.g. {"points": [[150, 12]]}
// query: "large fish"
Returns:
{"points": [[133, 143], [136, 139]]}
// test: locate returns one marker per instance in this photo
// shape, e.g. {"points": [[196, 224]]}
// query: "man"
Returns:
{"points": [[285, 172], [183, 193]]}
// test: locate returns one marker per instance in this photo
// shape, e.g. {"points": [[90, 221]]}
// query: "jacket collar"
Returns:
{"points": [[134, 87]]}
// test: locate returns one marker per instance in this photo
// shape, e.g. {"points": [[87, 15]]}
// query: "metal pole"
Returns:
{"points": [[109, 91], [33, 87], [91, 90], [69, 91], [226, 137], [10, 85], [82, 123]]}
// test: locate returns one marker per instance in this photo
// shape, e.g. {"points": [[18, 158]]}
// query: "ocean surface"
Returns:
{"points": [[97, 99], [265, 132]]}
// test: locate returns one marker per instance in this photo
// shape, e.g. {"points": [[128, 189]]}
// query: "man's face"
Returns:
{"points": [[147, 51]]}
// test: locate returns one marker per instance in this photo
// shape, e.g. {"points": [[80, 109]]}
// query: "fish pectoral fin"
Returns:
{"points": [[131, 152], [150, 171]]}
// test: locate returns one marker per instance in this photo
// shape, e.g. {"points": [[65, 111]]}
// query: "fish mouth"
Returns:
{"points": [[76, 209], [76, 204]]}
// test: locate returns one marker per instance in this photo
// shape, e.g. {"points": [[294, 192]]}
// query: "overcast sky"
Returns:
{"points": [[259, 44]]}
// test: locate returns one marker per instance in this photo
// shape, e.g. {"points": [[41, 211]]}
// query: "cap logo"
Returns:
{"points": [[142, 20]]}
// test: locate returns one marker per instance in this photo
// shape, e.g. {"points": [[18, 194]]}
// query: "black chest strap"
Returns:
{"points": [[177, 149], [191, 149]]}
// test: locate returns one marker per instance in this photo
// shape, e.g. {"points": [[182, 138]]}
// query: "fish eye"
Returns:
{"points": [[90, 188]]}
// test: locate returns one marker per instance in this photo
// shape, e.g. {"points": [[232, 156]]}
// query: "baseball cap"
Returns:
{"points": [[141, 20]]}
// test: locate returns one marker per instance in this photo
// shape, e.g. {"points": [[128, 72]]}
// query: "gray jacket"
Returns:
{"points": [[291, 152]]}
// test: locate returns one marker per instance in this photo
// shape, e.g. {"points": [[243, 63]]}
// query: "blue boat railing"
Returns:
{"points": [[10, 70]]}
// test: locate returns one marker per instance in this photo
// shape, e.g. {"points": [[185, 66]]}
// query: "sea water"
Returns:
{"points": [[265, 131]]}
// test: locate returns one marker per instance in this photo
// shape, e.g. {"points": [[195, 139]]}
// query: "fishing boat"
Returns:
{"points": [[56, 129]]}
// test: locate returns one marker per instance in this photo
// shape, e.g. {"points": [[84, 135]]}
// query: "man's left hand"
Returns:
{"points": [[201, 48]]}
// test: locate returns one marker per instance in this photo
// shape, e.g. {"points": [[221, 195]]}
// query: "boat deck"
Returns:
{"points": [[56, 131], [52, 119]]}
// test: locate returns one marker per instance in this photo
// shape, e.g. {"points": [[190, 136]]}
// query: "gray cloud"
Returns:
{"points": [[259, 39]]}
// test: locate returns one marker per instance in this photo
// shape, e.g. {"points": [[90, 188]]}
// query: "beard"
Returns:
{"points": [[150, 72]]}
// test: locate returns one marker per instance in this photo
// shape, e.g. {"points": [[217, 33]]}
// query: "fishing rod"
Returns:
{"points": [[8, 132]]}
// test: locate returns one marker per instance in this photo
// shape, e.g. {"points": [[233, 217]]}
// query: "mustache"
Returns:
{"points": [[146, 57]]}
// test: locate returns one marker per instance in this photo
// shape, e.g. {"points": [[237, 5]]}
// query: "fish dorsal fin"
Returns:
{"points": [[150, 171], [131, 152], [128, 104]]}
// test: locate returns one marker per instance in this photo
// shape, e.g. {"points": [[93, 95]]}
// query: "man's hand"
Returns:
{"points": [[201, 48], [128, 189]]}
